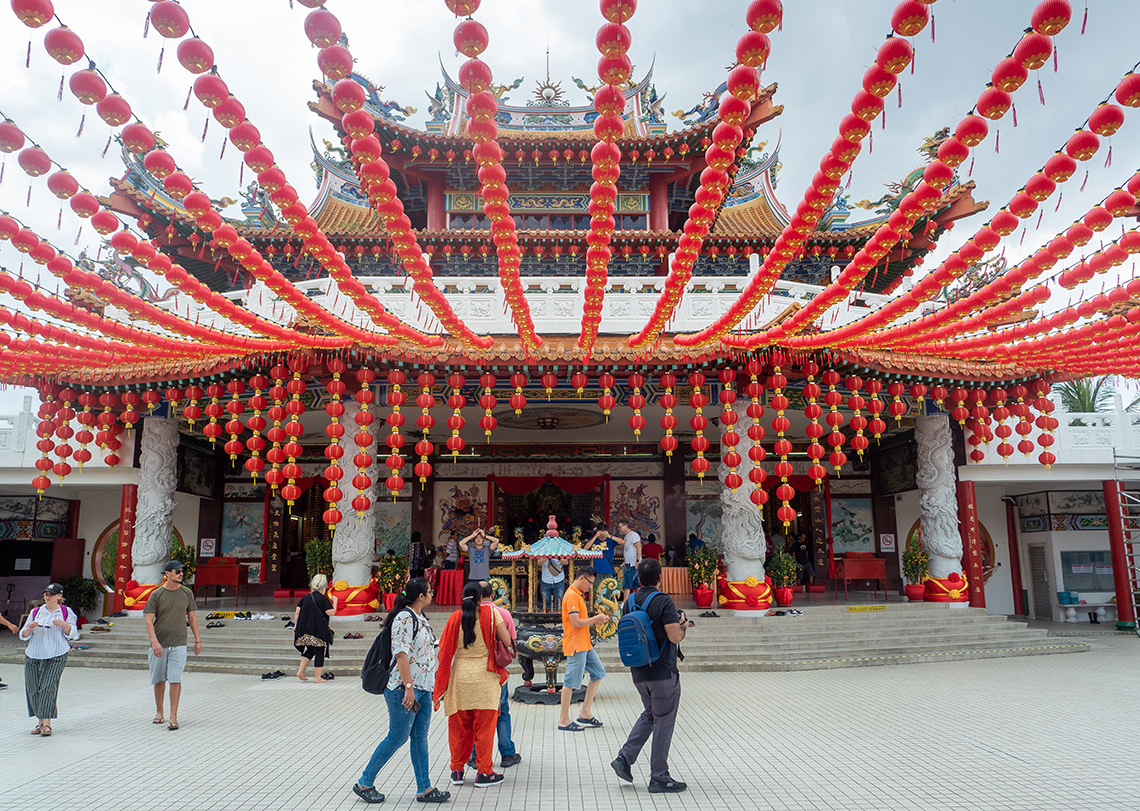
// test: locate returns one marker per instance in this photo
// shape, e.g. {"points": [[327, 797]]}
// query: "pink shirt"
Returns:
{"points": [[505, 615]]}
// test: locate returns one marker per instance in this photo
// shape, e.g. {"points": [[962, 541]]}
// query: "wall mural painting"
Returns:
{"points": [[852, 525], [462, 508], [914, 535], [393, 525], [640, 503], [703, 518], [243, 533]]}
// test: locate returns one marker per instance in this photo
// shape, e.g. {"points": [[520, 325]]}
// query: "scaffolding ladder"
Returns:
{"points": [[1130, 524]]}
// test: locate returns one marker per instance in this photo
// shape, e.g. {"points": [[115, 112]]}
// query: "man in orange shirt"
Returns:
{"points": [[579, 650]]}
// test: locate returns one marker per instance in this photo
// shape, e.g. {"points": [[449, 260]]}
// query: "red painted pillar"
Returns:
{"points": [[971, 543], [1125, 616], [127, 508], [658, 203], [1014, 558], [436, 203]]}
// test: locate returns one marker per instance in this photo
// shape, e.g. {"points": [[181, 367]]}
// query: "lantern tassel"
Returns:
{"points": [[59, 93], [28, 202], [82, 121], [146, 26], [161, 53], [107, 146], [1040, 215], [997, 141], [1054, 58], [1013, 107], [78, 234], [900, 95], [186, 104], [59, 220], [932, 40], [1059, 196], [241, 173], [1085, 181], [205, 129], [2, 165], [222, 154], [1108, 160], [970, 173], [1085, 21], [1040, 91], [28, 58]]}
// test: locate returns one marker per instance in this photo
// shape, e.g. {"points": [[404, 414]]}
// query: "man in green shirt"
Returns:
{"points": [[167, 612]]}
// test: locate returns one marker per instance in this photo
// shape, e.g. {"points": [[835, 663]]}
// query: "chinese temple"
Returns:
{"points": [[530, 308]]}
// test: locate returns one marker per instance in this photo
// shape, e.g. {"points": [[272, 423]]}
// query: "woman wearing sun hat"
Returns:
{"points": [[48, 632]]}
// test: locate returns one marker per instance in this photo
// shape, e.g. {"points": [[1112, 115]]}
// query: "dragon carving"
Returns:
{"points": [[742, 529], [937, 502]]}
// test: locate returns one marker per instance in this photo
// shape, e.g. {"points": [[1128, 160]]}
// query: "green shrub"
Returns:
{"points": [[393, 573], [80, 594], [318, 558], [783, 570], [187, 556], [702, 567], [915, 562]]}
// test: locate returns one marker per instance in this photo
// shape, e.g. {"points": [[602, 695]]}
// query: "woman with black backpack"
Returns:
{"points": [[409, 693]]}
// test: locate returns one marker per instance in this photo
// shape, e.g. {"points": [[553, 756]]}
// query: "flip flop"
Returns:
{"points": [[571, 727], [171, 727], [590, 722], [158, 720]]}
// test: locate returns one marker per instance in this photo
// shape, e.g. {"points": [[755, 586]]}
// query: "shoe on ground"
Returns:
{"points": [[487, 780], [457, 777], [510, 760], [369, 794], [3, 686], [621, 767], [666, 786], [471, 763]]}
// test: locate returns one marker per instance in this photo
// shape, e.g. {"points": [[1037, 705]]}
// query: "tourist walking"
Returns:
{"points": [[408, 694], [658, 683], [49, 630], [451, 552], [312, 635], [503, 726], [553, 584], [169, 609], [801, 550], [417, 556], [468, 684], [631, 554], [581, 658]]}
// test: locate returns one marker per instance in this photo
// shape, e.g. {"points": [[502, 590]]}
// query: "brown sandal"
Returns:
{"points": [[46, 732], [39, 728]]}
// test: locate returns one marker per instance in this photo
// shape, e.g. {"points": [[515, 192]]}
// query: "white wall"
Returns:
{"points": [[99, 507]]}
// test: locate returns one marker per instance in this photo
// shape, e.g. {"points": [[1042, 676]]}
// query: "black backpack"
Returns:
{"points": [[377, 667]]}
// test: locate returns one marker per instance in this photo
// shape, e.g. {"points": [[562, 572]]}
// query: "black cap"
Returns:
{"points": [[173, 566], [53, 588]]}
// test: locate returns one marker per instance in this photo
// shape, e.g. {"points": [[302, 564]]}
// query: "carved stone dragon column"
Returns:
{"points": [[938, 508], [742, 530], [158, 476], [354, 540]]}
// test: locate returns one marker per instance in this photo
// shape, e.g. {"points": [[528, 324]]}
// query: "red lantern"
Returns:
{"points": [[34, 161], [33, 13], [169, 19], [1033, 51], [195, 55], [764, 15], [1082, 146], [87, 86], [1051, 16], [322, 28], [63, 45], [137, 138], [335, 62], [1009, 75], [909, 18], [1128, 91]]}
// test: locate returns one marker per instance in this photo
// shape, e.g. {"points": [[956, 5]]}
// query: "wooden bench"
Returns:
{"points": [[861, 566], [222, 572]]}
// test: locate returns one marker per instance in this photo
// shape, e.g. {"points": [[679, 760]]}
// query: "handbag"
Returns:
{"points": [[504, 653]]}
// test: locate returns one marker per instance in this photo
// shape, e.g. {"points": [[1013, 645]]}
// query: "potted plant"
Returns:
{"points": [[80, 594], [702, 573], [915, 561], [188, 557], [393, 576], [318, 558], [784, 571]]}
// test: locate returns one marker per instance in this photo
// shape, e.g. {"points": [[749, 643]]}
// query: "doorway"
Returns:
{"points": [[1039, 582], [303, 525]]}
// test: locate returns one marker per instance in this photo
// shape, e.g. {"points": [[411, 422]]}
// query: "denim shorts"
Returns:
{"points": [[578, 664], [629, 579], [169, 666]]}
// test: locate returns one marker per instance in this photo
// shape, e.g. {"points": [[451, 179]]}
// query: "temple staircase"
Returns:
{"points": [[824, 636]]}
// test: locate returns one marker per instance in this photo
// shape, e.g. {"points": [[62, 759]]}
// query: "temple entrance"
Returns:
{"points": [[521, 506], [302, 526]]}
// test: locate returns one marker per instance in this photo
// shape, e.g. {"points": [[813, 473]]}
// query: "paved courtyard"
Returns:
{"points": [[1042, 733]]}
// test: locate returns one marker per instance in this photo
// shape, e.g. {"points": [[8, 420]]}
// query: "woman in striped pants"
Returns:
{"points": [[48, 631]]}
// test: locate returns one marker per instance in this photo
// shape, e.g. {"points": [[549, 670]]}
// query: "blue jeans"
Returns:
{"points": [[403, 724], [503, 727], [551, 594]]}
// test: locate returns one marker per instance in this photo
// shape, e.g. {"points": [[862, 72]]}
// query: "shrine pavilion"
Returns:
{"points": [[530, 308]]}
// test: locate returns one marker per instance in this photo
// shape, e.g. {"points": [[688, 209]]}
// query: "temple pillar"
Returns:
{"points": [[158, 476], [1125, 615], [1014, 558], [658, 203], [436, 202], [127, 507], [971, 535], [742, 529], [354, 540], [938, 509]]}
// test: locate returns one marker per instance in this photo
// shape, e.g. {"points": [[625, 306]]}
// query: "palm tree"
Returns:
{"points": [[1087, 395]]}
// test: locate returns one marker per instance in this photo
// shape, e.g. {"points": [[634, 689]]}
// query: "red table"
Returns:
{"points": [[859, 567], [222, 572], [450, 591]]}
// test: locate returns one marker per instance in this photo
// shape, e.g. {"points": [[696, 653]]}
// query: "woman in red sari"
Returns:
{"points": [[468, 685]]}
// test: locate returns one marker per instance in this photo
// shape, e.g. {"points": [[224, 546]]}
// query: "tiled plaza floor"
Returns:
{"points": [[1041, 733]]}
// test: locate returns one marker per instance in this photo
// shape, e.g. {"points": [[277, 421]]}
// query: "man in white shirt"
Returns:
{"points": [[631, 556]]}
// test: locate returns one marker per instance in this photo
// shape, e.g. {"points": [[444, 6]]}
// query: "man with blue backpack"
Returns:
{"points": [[648, 633]]}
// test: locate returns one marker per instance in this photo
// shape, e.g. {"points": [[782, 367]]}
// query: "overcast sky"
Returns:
{"points": [[817, 60]]}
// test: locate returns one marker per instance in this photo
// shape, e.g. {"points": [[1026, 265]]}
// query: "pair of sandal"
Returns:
{"points": [[581, 724], [215, 625], [100, 629], [276, 674], [372, 618], [370, 795], [354, 636], [708, 614], [43, 730]]}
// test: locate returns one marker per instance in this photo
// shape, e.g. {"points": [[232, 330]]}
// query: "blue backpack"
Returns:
{"points": [[637, 643]]}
